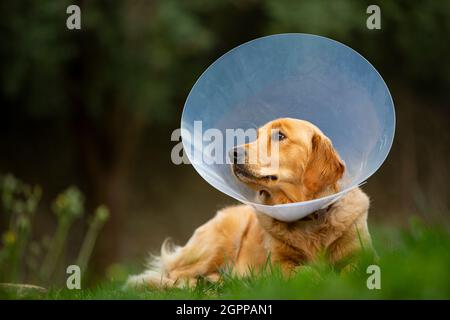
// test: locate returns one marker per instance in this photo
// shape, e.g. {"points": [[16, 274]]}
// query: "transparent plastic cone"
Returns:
{"points": [[298, 76]]}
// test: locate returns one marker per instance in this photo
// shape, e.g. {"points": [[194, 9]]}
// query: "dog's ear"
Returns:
{"points": [[324, 167]]}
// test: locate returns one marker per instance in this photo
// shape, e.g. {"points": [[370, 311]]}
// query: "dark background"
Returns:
{"points": [[96, 107]]}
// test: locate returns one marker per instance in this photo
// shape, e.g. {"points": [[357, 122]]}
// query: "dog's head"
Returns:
{"points": [[290, 161]]}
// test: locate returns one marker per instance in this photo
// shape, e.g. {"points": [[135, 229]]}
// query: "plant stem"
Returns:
{"points": [[55, 250], [88, 246]]}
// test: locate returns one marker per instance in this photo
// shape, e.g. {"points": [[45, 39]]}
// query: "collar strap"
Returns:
{"points": [[316, 214]]}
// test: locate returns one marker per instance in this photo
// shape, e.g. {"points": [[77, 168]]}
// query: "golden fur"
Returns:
{"points": [[241, 239]]}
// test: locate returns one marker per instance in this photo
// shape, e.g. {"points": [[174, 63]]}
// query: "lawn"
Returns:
{"points": [[414, 264]]}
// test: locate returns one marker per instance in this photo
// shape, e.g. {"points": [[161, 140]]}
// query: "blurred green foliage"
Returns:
{"points": [[411, 46], [21, 256], [136, 54], [19, 203], [144, 55]]}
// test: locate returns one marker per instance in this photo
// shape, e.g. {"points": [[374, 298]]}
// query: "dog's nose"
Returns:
{"points": [[237, 155]]}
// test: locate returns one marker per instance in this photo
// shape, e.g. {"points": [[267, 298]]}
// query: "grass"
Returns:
{"points": [[414, 264]]}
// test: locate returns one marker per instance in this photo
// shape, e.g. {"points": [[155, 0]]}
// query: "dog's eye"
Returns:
{"points": [[279, 136]]}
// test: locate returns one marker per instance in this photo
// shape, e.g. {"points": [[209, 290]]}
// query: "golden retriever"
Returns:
{"points": [[241, 239]]}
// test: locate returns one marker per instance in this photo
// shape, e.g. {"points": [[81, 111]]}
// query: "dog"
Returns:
{"points": [[241, 239]]}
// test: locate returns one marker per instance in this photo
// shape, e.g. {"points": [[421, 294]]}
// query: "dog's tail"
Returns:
{"points": [[156, 275]]}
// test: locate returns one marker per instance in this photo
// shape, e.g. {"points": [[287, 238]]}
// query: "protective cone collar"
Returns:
{"points": [[298, 76]]}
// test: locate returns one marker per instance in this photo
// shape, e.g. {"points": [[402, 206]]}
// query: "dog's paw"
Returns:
{"points": [[148, 279]]}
